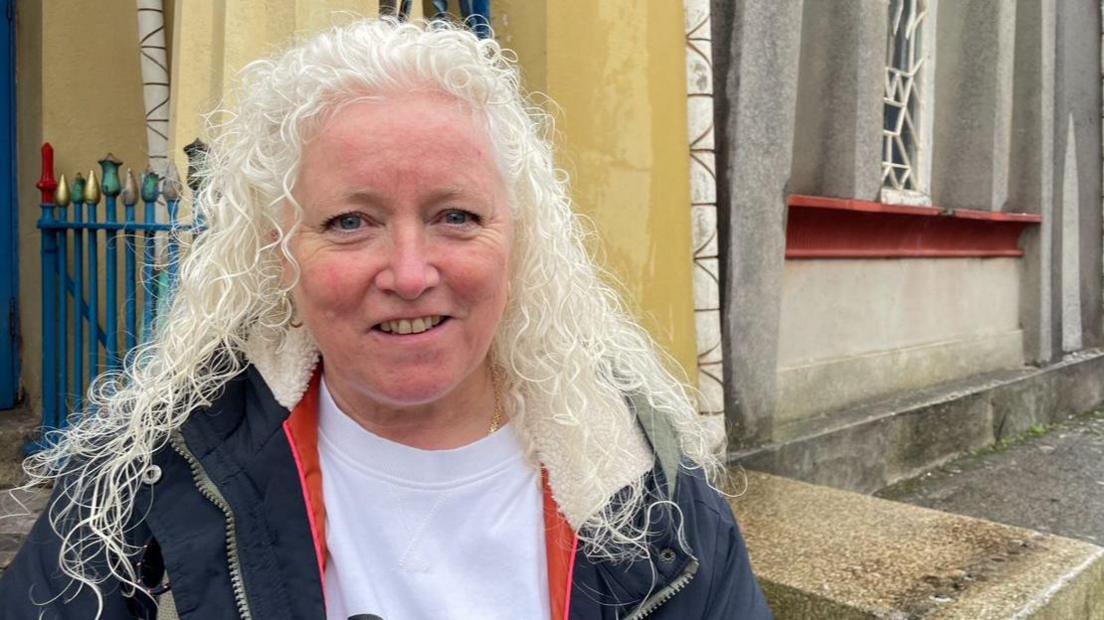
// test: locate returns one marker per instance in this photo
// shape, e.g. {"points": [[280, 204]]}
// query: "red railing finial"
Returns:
{"points": [[47, 184]]}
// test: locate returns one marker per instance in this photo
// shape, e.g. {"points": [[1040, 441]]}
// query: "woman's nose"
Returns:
{"points": [[409, 272]]}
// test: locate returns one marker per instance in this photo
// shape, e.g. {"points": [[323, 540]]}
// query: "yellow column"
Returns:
{"points": [[317, 15], [619, 80], [214, 39]]}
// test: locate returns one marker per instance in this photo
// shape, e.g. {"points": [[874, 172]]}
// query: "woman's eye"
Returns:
{"points": [[347, 222], [459, 218]]}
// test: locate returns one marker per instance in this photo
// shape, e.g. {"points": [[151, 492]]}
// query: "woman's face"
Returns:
{"points": [[403, 249]]}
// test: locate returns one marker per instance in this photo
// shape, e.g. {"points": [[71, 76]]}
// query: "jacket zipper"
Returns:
{"points": [[208, 489], [654, 602]]}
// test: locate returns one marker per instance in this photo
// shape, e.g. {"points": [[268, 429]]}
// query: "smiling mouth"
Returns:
{"points": [[411, 326]]}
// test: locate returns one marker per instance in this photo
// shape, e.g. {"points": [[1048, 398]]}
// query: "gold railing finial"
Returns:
{"points": [[130, 189], [92, 189], [61, 194]]}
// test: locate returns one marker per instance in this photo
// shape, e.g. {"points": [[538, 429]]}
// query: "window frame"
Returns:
{"points": [[924, 85]]}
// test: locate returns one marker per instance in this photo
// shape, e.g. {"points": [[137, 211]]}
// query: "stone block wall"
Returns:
{"points": [[1011, 108]]}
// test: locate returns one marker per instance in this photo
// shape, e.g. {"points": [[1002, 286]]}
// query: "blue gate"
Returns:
{"points": [[9, 222], [84, 245]]}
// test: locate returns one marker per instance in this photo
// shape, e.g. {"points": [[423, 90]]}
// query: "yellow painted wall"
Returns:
{"points": [[214, 39], [78, 87], [618, 78]]}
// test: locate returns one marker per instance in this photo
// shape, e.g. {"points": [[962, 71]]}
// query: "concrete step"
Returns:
{"points": [[870, 446], [1050, 479], [826, 554]]}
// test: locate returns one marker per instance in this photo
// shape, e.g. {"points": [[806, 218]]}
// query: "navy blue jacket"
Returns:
{"points": [[239, 444]]}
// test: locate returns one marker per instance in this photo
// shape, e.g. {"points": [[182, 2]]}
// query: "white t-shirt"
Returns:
{"points": [[433, 534]]}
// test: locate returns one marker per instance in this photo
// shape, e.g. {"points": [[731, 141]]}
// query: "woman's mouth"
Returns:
{"points": [[411, 326]]}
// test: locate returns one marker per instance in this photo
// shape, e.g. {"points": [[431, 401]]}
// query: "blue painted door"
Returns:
{"points": [[9, 212]]}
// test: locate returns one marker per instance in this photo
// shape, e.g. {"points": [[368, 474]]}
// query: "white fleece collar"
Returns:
{"points": [[582, 482]]}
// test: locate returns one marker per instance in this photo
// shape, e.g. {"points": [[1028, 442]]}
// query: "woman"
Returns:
{"points": [[391, 384]]}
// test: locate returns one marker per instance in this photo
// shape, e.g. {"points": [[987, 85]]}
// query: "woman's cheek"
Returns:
{"points": [[335, 286]]}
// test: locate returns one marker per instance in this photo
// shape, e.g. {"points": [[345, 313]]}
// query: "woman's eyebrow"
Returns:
{"points": [[450, 192], [366, 197], [370, 197]]}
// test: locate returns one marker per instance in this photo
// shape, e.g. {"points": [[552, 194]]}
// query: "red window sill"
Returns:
{"points": [[821, 227]]}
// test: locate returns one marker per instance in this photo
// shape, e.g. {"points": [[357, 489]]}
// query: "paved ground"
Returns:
{"points": [[17, 427], [17, 514], [1051, 480]]}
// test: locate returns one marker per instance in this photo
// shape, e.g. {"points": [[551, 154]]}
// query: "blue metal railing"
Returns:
{"points": [[76, 344], [475, 14]]}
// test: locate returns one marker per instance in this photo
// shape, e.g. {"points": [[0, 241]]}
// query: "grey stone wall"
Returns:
{"points": [[973, 103], [1055, 171], [1077, 103], [1031, 172], [1016, 126], [838, 135], [756, 47]]}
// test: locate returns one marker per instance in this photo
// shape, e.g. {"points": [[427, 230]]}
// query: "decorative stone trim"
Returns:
{"points": [[703, 206]]}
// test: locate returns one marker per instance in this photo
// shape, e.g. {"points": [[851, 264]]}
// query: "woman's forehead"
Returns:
{"points": [[419, 123], [417, 139], [433, 103]]}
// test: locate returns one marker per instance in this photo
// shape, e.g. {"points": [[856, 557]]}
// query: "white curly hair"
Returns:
{"points": [[566, 343]]}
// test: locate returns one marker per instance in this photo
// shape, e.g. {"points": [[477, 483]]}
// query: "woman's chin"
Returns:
{"points": [[421, 385], [411, 396]]}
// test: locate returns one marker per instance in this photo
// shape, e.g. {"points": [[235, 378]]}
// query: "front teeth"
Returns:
{"points": [[410, 326]]}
